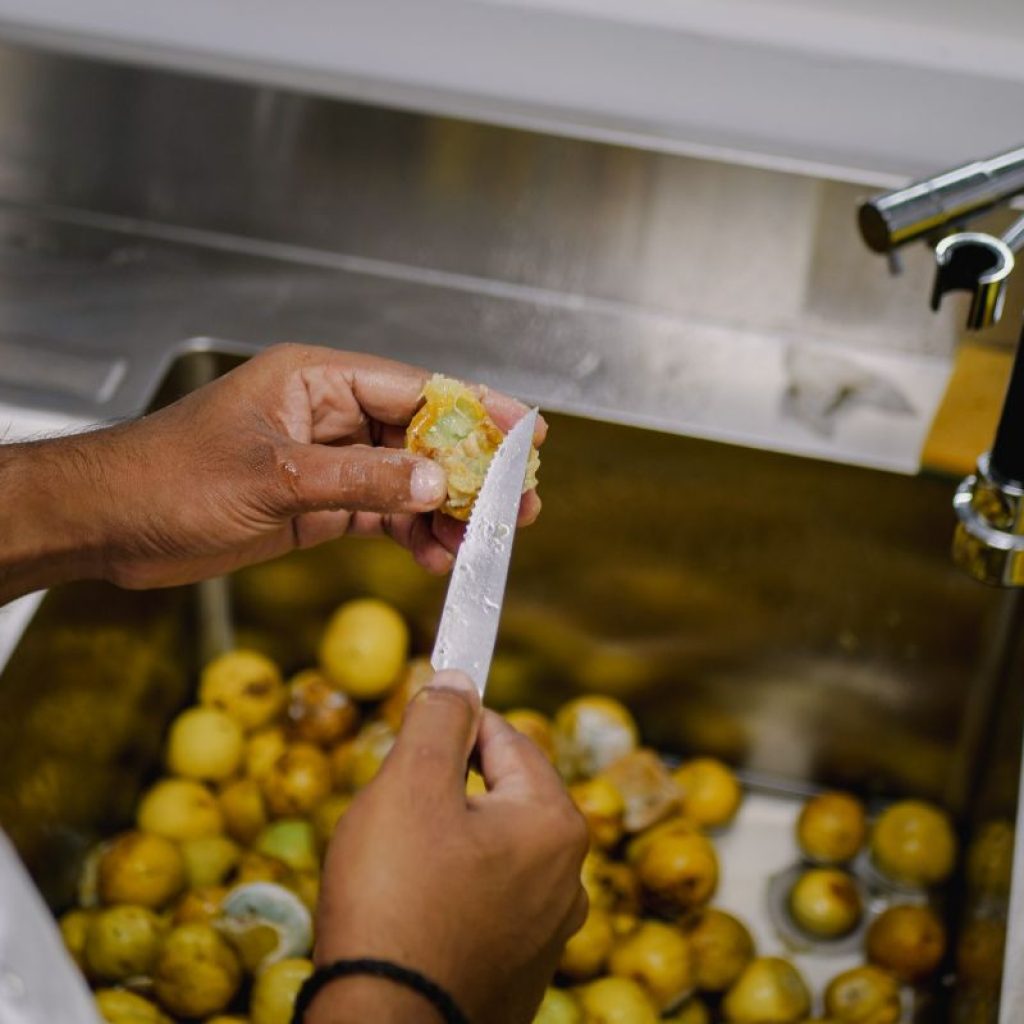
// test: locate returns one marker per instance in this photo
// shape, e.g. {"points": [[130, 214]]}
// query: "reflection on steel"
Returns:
{"points": [[989, 540], [927, 207]]}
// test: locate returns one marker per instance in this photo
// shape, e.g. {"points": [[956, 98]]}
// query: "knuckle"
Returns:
{"points": [[282, 351], [283, 482]]}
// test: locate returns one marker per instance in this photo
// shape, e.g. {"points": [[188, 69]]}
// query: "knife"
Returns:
{"points": [[472, 608]]}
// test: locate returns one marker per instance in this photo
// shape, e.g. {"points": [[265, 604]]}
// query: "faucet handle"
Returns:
{"points": [[979, 263]]}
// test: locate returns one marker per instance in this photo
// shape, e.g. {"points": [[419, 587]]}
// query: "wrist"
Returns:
{"points": [[362, 998], [50, 519]]}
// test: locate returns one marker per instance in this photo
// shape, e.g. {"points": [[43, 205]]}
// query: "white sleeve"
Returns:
{"points": [[39, 982]]}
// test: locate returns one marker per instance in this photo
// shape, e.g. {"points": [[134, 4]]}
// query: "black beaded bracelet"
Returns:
{"points": [[405, 976]]}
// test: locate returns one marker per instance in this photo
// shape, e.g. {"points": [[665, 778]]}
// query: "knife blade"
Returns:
{"points": [[472, 607]]}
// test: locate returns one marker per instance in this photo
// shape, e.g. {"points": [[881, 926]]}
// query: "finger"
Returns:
{"points": [[316, 477], [428, 551], [373, 524], [340, 385], [529, 509], [391, 437], [438, 733], [513, 765], [411, 532], [507, 412], [383, 389], [449, 532], [315, 528]]}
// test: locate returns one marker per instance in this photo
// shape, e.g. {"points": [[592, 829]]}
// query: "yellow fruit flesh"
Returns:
{"points": [[455, 430]]}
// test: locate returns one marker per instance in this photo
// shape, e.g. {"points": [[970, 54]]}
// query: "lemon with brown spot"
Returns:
{"points": [[318, 712], [908, 941], [826, 903], [122, 942], [299, 779], [246, 685], [864, 995], [678, 872], [200, 906], [196, 973], [832, 827], [140, 868], [244, 809]]}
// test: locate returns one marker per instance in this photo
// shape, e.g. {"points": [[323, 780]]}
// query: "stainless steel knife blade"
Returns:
{"points": [[472, 608]]}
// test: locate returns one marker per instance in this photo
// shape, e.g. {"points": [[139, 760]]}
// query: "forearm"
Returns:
{"points": [[51, 511], [359, 999]]}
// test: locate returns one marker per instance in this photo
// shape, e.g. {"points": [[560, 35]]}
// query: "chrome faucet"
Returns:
{"points": [[989, 504]]}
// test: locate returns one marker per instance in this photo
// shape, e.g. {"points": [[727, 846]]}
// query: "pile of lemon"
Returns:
{"points": [[203, 911]]}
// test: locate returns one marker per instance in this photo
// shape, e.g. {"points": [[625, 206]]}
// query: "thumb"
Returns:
{"points": [[438, 734], [360, 478]]}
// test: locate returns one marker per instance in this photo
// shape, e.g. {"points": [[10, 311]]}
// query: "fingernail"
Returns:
{"points": [[428, 484], [454, 679]]}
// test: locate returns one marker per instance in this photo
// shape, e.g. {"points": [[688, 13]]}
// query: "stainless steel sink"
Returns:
{"points": [[798, 618]]}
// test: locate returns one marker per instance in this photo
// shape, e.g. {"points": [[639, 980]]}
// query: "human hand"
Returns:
{"points": [[297, 446], [478, 893]]}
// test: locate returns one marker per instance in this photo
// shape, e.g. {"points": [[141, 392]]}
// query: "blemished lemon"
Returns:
{"points": [[246, 685], [141, 868], [197, 973]]}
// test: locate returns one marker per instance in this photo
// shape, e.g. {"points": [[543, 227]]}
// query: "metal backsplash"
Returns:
{"points": [[692, 238]]}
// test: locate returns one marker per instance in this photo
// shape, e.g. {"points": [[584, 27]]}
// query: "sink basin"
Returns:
{"points": [[799, 619]]}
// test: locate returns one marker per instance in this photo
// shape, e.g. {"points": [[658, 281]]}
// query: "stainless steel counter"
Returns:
{"points": [[94, 307]]}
